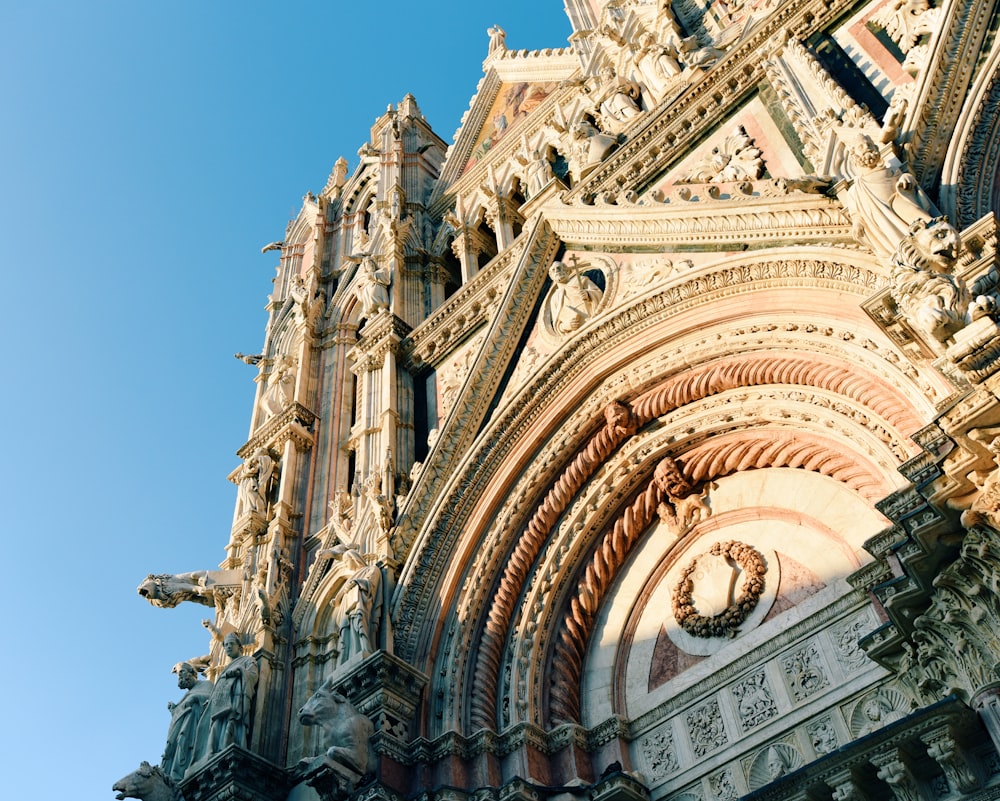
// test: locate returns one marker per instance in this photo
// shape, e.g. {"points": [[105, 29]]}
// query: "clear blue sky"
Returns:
{"points": [[148, 151]]}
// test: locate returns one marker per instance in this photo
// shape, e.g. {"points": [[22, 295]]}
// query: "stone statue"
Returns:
{"points": [[589, 148], [657, 64], [498, 38], [345, 731], [182, 735], [538, 173], [878, 712], [574, 299], [682, 507], [372, 289], [927, 293], [166, 590], [776, 765], [883, 201], [148, 783], [359, 610], [254, 483], [618, 99], [280, 387], [226, 719]]}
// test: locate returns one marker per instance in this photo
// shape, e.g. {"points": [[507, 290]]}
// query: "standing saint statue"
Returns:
{"points": [[359, 612], [254, 482], [226, 719], [372, 289], [182, 735]]}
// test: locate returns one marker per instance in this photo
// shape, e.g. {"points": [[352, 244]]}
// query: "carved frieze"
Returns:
{"points": [[706, 728], [805, 671], [659, 754], [754, 700]]}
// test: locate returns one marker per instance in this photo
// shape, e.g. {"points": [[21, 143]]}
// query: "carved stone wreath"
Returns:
{"points": [[727, 622]]}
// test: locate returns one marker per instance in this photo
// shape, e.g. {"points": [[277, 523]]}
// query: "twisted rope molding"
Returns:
{"points": [[679, 390], [709, 461], [620, 425]]}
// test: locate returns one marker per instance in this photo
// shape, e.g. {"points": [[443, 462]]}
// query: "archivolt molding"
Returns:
{"points": [[716, 458], [944, 85], [620, 425], [681, 390], [871, 368], [969, 175], [836, 446], [607, 340]]}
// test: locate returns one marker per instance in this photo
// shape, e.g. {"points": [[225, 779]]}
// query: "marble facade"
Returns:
{"points": [[642, 443]]}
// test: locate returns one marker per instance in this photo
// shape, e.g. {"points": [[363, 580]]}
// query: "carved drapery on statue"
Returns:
{"points": [[359, 610], [254, 482], [227, 716], [182, 735]]}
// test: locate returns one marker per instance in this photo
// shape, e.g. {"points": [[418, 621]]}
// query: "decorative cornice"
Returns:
{"points": [[753, 222], [948, 718], [293, 424], [236, 773]]}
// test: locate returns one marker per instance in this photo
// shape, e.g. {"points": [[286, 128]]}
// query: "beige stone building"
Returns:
{"points": [[640, 444]]}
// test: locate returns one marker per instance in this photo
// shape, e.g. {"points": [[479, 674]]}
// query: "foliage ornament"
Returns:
{"points": [[727, 622]]}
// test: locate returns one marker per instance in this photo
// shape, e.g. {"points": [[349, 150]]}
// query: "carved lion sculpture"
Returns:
{"points": [[346, 731], [147, 783], [933, 300]]}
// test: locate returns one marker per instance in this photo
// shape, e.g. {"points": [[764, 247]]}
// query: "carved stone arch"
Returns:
{"points": [[317, 631], [589, 372], [360, 188], [970, 182], [587, 589], [732, 445], [859, 394], [869, 479]]}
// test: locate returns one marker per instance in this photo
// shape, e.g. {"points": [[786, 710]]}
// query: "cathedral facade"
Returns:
{"points": [[640, 444]]}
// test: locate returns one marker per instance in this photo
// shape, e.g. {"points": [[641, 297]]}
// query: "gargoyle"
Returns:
{"points": [[166, 590]]}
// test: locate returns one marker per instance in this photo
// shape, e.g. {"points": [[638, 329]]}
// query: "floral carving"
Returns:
{"points": [[804, 671], [706, 728], [660, 754], [726, 623], [723, 786], [907, 22], [754, 701], [846, 638], [823, 736]]}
